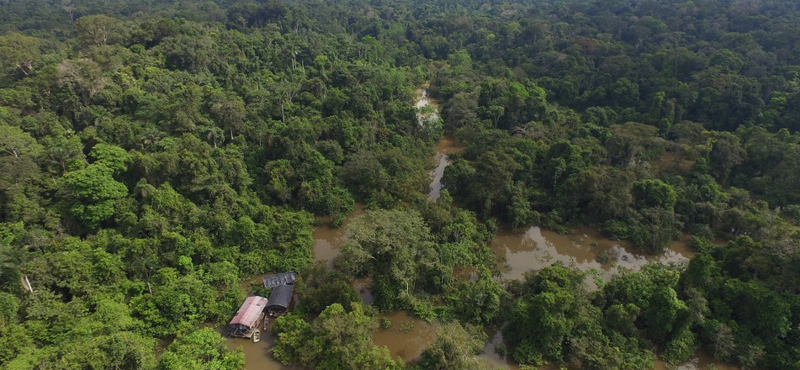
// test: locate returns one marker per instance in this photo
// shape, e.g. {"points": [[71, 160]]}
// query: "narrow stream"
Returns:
{"points": [[446, 146], [517, 251], [428, 110]]}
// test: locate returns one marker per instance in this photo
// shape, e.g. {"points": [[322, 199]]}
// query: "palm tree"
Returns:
{"points": [[149, 137], [142, 264], [60, 156], [144, 189], [213, 133]]}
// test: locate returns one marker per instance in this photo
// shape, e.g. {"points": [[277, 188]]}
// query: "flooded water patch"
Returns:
{"points": [[328, 241], [407, 337], [438, 173], [586, 249], [427, 108], [490, 355], [519, 251], [362, 286], [257, 355], [444, 147]]}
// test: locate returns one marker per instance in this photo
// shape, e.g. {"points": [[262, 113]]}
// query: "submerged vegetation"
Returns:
{"points": [[154, 154]]}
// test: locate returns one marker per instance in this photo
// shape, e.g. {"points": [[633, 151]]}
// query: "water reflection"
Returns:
{"points": [[444, 146], [423, 100], [586, 249], [493, 358], [438, 173], [362, 286]]}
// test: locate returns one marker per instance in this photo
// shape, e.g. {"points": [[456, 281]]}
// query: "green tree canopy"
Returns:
{"points": [[202, 349], [336, 339]]}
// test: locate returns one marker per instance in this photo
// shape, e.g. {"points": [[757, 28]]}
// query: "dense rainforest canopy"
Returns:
{"points": [[155, 153]]}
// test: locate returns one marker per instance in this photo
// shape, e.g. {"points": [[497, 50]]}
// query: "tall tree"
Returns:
{"points": [[395, 247], [336, 339], [19, 53]]}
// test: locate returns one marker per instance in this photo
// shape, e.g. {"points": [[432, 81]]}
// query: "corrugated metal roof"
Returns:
{"points": [[286, 278], [281, 296], [249, 311]]}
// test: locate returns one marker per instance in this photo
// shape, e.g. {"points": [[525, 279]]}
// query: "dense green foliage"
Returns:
{"points": [[568, 326], [201, 349], [455, 348], [149, 163], [153, 154], [334, 340]]}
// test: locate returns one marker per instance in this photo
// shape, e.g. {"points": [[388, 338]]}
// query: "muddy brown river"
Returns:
{"points": [[532, 248], [446, 146], [535, 248], [328, 241], [407, 337], [517, 251]]}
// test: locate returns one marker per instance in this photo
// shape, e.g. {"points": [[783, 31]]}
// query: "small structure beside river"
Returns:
{"points": [[286, 278], [279, 300], [282, 292], [249, 318]]}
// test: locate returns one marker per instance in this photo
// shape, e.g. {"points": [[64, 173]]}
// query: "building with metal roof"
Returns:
{"points": [[280, 299], [249, 317], [286, 278]]}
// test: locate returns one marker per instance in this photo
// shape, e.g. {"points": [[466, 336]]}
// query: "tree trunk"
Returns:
{"points": [[27, 284]]}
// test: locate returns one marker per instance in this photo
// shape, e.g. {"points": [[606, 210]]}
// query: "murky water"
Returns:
{"points": [[499, 362], [438, 173], [532, 248], [586, 249], [423, 101], [362, 286], [257, 355], [247, 283], [444, 147], [328, 241], [407, 337]]}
